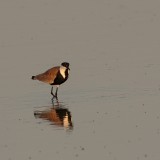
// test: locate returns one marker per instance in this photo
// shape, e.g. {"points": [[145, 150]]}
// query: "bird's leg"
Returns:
{"points": [[52, 92], [56, 92], [54, 95], [57, 102]]}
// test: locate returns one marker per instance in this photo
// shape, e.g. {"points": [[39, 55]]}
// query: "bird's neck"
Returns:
{"points": [[64, 72]]}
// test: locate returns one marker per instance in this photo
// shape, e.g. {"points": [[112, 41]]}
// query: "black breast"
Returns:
{"points": [[60, 79]]}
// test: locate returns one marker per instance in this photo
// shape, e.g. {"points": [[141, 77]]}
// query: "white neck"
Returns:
{"points": [[62, 71]]}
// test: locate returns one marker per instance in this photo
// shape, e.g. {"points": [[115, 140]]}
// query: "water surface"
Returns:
{"points": [[109, 106]]}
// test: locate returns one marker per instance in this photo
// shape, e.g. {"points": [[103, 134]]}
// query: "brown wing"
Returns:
{"points": [[48, 76]]}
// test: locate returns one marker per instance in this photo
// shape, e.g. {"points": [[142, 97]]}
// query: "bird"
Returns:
{"points": [[54, 76]]}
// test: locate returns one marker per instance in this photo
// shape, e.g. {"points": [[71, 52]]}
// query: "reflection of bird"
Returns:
{"points": [[59, 116], [54, 76]]}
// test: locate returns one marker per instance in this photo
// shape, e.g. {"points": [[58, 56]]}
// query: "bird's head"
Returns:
{"points": [[65, 64]]}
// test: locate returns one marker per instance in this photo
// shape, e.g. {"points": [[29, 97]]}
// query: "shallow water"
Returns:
{"points": [[109, 106]]}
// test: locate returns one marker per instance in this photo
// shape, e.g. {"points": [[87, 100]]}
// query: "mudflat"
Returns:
{"points": [[109, 108]]}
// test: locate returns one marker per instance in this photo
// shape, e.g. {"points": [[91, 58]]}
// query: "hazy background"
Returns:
{"points": [[114, 85]]}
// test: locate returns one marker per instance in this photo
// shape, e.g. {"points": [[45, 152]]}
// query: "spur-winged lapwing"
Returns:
{"points": [[54, 76]]}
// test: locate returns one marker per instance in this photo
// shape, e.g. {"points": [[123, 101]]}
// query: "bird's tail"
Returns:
{"points": [[33, 77]]}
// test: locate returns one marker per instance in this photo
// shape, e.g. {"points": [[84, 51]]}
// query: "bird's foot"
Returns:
{"points": [[54, 96]]}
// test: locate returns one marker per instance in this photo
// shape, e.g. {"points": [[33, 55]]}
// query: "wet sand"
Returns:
{"points": [[108, 108]]}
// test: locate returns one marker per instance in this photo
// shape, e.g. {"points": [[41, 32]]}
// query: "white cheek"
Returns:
{"points": [[62, 71]]}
